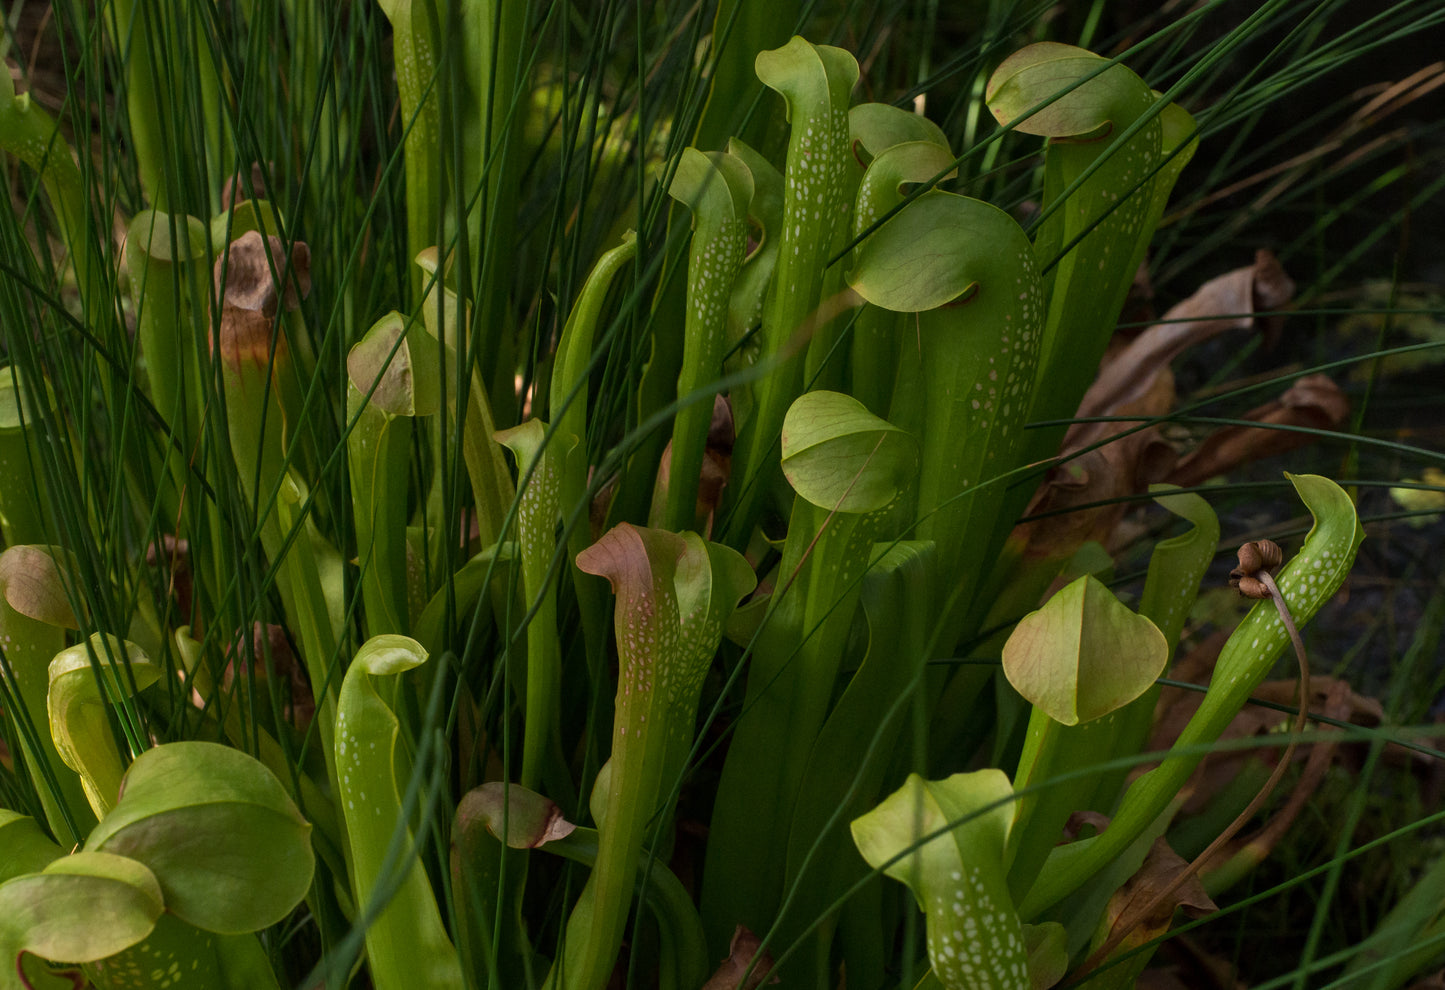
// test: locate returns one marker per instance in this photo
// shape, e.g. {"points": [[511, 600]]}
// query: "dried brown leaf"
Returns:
{"points": [[1221, 304], [1126, 466], [1314, 401], [1143, 909], [741, 953], [1136, 379], [1160, 871]]}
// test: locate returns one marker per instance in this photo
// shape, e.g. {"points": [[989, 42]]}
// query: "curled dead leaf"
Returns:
{"points": [[1068, 502], [1226, 303], [1314, 401], [742, 951], [1142, 910], [1161, 868], [1065, 505], [1084, 822], [1136, 379]]}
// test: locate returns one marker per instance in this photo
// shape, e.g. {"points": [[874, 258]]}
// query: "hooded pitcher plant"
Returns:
{"points": [[1171, 586], [567, 406], [258, 282], [201, 848], [41, 908], [165, 257], [414, 48], [1078, 661], [1115, 151], [674, 592], [717, 188], [965, 272], [230, 849], [1075, 660], [86, 679], [406, 942], [1307, 582], [22, 488], [522, 819], [815, 81], [375, 561], [957, 282], [391, 380], [1087, 665], [35, 613], [847, 467], [945, 841], [253, 349], [878, 333], [852, 758], [468, 402], [540, 464], [457, 73], [32, 135]]}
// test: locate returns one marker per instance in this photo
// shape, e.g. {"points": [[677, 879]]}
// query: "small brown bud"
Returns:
{"points": [[1260, 555]]}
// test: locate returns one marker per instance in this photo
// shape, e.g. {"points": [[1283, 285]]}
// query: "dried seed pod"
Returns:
{"points": [[1260, 555]]}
